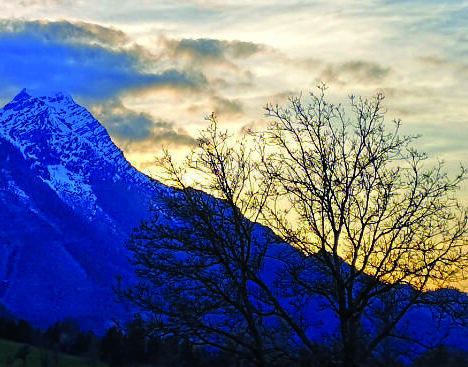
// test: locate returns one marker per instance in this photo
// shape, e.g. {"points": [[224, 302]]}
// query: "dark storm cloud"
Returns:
{"points": [[212, 49], [73, 58], [131, 126]]}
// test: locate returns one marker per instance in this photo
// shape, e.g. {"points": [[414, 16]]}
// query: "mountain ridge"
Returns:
{"points": [[70, 200]]}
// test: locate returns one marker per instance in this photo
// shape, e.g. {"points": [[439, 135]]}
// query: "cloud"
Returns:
{"points": [[27, 3], [122, 122], [130, 126], [208, 49], [66, 56], [63, 30], [364, 72], [440, 64], [228, 65], [172, 136], [225, 106]]}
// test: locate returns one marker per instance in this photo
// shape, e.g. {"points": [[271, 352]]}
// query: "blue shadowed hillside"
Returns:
{"points": [[69, 201]]}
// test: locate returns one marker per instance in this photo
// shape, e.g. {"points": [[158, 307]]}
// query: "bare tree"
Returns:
{"points": [[198, 259], [360, 200], [365, 228]]}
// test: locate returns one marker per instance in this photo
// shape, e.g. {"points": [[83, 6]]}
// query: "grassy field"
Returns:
{"points": [[9, 349]]}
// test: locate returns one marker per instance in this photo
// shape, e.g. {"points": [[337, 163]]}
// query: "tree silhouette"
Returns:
{"points": [[200, 262], [359, 199], [371, 227]]}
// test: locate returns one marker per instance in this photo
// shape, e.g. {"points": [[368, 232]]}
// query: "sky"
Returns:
{"points": [[151, 71]]}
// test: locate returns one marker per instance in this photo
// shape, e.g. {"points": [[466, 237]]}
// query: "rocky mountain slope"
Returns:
{"points": [[69, 200]]}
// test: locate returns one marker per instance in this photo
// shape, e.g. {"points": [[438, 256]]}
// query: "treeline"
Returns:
{"points": [[62, 337], [131, 346], [127, 345]]}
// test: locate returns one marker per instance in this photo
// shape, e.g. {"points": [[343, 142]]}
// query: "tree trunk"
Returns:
{"points": [[349, 335]]}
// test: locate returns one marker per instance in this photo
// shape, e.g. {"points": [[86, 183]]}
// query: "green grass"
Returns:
{"points": [[8, 350]]}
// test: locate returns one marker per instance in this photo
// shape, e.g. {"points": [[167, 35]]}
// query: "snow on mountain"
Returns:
{"points": [[69, 200], [66, 146], [66, 127]]}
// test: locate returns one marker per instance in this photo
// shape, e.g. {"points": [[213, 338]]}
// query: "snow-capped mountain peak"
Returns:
{"points": [[65, 145], [37, 119], [54, 96], [69, 200]]}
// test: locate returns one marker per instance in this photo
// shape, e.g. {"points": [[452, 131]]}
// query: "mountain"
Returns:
{"points": [[69, 200]]}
